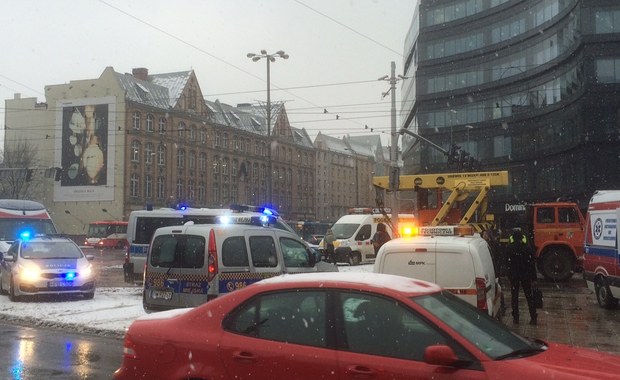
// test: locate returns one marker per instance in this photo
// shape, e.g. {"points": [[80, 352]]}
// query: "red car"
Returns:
{"points": [[344, 326]]}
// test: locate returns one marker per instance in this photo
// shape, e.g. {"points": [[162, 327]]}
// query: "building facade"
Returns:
{"points": [[528, 86], [124, 142]]}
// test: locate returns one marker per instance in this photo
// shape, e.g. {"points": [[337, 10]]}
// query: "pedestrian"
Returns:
{"points": [[329, 245], [521, 271], [380, 237]]}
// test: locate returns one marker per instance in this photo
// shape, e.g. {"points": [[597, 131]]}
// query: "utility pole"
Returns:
{"points": [[394, 169], [394, 151]]}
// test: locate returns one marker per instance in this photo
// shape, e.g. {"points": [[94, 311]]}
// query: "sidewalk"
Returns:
{"points": [[570, 315]]}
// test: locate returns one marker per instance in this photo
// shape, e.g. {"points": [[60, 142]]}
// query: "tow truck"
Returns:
{"points": [[556, 229]]}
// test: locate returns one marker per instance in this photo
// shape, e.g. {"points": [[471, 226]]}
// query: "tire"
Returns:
{"points": [[603, 294], [557, 264], [354, 258], [12, 296], [89, 296]]}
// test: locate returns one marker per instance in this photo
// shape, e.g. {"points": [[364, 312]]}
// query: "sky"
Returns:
{"points": [[337, 51], [109, 313]]}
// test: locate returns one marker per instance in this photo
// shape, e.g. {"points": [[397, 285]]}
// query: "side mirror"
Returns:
{"points": [[312, 260], [8, 257], [90, 257], [441, 355]]}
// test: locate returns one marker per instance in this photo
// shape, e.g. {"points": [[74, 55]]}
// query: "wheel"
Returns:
{"points": [[557, 264], [354, 258], [603, 294], [89, 296], [12, 295]]}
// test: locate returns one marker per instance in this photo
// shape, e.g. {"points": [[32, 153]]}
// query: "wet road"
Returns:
{"points": [[570, 315], [32, 354]]}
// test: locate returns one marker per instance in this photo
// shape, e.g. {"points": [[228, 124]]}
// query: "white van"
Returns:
{"points": [[601, 263], [459, 262], [191, 264], [353, 233]]}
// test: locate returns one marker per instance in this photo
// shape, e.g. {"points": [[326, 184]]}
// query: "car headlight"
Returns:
{"points": [[29, 273], [87, 272]]}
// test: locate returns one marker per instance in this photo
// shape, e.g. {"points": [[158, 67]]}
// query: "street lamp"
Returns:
{"points": [[268, 58]]}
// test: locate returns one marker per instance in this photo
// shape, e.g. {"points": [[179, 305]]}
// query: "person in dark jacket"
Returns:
{"points": [[380, 237], [521, 271]]}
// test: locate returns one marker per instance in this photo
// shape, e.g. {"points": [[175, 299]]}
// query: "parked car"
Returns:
{"points": [[45, 265], [344, 325]]}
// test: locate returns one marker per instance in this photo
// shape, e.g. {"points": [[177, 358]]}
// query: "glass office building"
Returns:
{"points": [[528, 86]]}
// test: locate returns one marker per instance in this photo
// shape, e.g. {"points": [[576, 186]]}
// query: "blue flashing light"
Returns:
{"points": [[70, 276], [25, 235], [182, 206], [225, 220], [264, 219], [268, 211]]}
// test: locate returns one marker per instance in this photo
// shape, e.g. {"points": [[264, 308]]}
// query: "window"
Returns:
{"points": [[181, 131], [234, 252], [135, 151], [134, 185], [364, 233], [148, 186], [203, 135], [567, 215], [263, 251], [148, 153], [294, 253], [180, 188], [149, 123], [192, 133], [294, 316], [178, 251], [192, 160], [225, 141], [161, 187], [218, 139], [403, 334], [545, 215], [202, 161], [162, 125], [161, 155], [181, 158], [136, 121]]}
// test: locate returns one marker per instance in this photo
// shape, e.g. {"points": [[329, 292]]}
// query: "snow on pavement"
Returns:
{"points": [[110, 313]]}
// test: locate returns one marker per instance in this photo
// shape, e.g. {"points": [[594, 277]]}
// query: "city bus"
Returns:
{"points": [[142, 225], [106, 234], [23, 218]]}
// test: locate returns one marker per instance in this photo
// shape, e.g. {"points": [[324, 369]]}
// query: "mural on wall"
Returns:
{"points": [[85, 149]]}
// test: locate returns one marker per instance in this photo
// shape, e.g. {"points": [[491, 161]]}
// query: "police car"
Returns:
{"points": [[191, 264], [45, 265]]}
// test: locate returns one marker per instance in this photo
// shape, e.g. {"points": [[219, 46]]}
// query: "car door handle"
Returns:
{"points": [[361, 372], [244, 356]]}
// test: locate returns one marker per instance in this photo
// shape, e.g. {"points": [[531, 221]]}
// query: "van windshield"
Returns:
{"points": [[344, 230]]}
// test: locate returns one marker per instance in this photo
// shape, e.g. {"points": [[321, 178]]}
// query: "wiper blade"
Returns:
{"points": [[522, 352]]}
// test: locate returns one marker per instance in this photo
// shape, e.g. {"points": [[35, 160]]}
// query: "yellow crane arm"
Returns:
{"points": [[450, 181]]}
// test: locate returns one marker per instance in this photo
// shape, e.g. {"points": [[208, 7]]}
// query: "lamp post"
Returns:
{"points": [[268, 58]]}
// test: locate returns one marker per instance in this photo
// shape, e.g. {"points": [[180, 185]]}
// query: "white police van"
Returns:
{"points": [[191, 264], [451, 256]]}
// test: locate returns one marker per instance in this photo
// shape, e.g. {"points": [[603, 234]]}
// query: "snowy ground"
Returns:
{"points": [[109, 313]]}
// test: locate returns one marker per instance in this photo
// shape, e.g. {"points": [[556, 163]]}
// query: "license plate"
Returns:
{"points": [[161, 294], [58, 284]]}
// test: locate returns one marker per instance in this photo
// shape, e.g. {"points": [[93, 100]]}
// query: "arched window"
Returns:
{"points": [[135, 151], [136, 121]]}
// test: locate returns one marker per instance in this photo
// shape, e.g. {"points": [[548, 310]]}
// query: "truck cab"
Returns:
{"points": [[558, 235]]}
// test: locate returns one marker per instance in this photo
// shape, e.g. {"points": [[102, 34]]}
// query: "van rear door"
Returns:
{"points": [[415, 260], [456, 270]]}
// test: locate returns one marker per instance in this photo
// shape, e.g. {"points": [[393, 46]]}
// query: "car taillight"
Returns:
{"points": [[212, 257], [129, 348], [481, 293]]}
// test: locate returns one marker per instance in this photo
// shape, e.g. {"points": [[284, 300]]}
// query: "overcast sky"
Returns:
{"points": [[338, 49]]}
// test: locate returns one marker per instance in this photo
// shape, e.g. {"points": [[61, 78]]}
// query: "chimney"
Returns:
{"points": [[141, 73]]}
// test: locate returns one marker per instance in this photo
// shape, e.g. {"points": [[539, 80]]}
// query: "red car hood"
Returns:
{"points": [[562, 362]]}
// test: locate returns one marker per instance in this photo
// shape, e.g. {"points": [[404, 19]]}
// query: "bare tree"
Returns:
{"points": [[16, 172]]}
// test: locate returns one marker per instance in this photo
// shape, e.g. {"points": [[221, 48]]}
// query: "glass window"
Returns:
{"points": [[234, 252], [136, 120], [567, 215], [135, 151], [263, 251], [178, 251], [148, 153], [162, 125], [297, 317], [294, 253], [380, 326], [545, 215], [364, 233], [149, 123]]}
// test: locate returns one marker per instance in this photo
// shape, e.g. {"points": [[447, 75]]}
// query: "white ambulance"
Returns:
{"points": [[451, 256], [601, 258], [353, 233]]}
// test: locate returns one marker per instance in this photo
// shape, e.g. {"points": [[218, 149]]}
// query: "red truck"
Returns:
{"points": [[557, 232]]}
